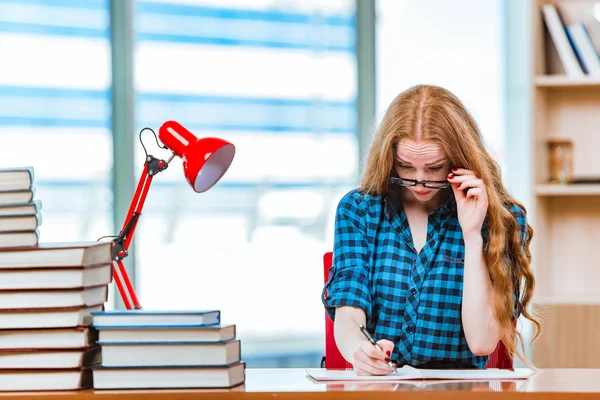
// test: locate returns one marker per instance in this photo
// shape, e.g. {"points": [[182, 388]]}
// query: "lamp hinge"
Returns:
{"points": [[155, 165]]}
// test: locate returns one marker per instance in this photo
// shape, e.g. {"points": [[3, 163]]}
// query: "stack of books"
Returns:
{"points": [[153, 349], [47, 295], [20, 213]]}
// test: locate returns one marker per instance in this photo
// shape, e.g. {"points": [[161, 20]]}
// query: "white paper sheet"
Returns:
{"points": [[410, 373]]}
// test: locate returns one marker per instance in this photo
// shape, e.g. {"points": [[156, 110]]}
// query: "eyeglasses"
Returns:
{"points": [[414, 182]]}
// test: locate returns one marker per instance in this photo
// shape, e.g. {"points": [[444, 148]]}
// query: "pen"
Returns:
{"points": [[374, 343]]}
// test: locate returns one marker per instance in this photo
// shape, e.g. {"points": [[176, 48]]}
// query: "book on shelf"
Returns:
{"points": [[29, 208], [562, 43], [58, 255], [584, 48], [144, 318], [11, 197], [52, 298], [67, 317], [170, 354], [19, 223], [55, 278], [180, 334], [225, 376], [16, 179], [37, 380], [19, 239], [64, 338], [49, 359]]}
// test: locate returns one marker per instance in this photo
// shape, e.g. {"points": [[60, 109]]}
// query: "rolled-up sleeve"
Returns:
{"points": [[349, 281]]}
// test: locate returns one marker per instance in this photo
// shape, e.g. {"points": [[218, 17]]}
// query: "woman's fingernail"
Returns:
{"points": [[389, 353], [387, 359], [451, 176], [454, 169]]}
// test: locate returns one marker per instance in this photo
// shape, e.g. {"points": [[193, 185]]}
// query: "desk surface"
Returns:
{"points": [[292, 384]]}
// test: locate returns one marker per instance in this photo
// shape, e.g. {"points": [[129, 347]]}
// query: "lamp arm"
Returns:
{"points": [[135, 208], [121, 243]]}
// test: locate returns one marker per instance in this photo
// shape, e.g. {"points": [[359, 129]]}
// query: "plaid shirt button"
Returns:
{"points": [[375, 263]]}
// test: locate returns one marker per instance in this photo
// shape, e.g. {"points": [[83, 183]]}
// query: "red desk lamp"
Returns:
{"points": [[205, 161]]}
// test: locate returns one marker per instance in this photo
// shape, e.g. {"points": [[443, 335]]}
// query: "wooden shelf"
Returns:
{"points": [[579, 299], [564, 81], [567, 190]]}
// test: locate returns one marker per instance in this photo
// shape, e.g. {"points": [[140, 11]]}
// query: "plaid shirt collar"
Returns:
{"points": [[394, 212]]}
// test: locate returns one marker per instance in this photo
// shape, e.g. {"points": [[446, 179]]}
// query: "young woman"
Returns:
{"points": [[431, 253]]}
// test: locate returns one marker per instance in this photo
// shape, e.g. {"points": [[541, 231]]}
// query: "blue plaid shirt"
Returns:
{"points": [[413, 299]]}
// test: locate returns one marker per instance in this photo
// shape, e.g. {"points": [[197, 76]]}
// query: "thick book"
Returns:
{"points": [[156, 319], [37, 380], [29, 208], [70, 317], [170, 354], [65, 338], [20, 223], [49, 359], [19, 239], [58, 255], [20, 178], [55, 278], [410, 373], [17, 196], [170, 378], [179, 334], [52, 298]]}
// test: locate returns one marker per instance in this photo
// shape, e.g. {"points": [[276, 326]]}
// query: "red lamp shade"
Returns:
{"points": [[205, 160]]}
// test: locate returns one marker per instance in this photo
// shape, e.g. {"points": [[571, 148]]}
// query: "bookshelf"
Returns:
{"points": [[566, 217]]}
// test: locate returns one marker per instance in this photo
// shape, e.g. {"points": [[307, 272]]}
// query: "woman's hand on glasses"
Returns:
{"points": [[471, 200]]}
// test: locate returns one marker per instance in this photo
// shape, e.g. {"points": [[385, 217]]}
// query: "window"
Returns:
{"points": [[278, 79], [55, 110], [457, 45]]}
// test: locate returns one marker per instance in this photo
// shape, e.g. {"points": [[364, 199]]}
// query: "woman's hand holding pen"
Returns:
{"points": [[367, 360], [358, 347]]}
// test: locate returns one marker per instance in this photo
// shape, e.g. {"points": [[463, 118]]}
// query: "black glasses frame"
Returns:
{"points": [[413, 182]]}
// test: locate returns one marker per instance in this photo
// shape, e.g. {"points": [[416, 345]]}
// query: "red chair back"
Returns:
{"points": [[334, 359]]}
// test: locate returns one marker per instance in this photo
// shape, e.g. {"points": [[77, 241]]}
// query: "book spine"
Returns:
{"points": [[559, 36]]}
